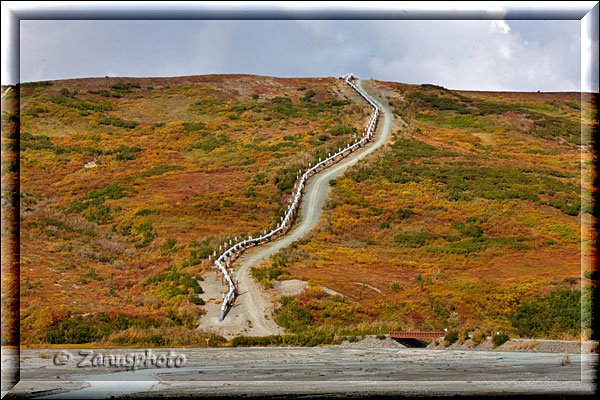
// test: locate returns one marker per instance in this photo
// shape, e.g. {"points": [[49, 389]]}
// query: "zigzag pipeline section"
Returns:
{"points": [[223, 261]]}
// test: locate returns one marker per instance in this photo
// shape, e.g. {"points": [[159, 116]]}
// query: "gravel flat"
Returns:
{"points": [[317, 371]]}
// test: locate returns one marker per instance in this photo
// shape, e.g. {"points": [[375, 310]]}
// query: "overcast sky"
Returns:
{"points": [[462, 54]]}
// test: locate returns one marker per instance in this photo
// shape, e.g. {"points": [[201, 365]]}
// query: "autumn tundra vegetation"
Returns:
{"points": [[469, 219], [128, 185]]}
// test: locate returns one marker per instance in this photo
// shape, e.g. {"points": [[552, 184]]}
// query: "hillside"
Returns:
{"points": [[470, 220], [128, 185]]}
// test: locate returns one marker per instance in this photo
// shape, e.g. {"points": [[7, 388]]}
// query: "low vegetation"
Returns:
{"points": [[127, 186], [556, 314], [469, 221]]}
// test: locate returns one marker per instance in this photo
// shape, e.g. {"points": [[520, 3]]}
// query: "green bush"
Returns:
{"points": [[126, 153], [450, 338], [169, 244], [124, 87], [404, 213], [266, 274], [72, 331], [247, 341], [99, 214], [35, 84], [260, 179], [192, 127], [554, 315], [208, 144], [250, 192], [196, 256], [573, 105], [395, 287], [292, 315], [308, 95], [339, 130], [439, 102], [65, 92], [146, 211], [468, 229], [173, 283], [113, 191], [413, 240], [118, 122], [94, 201], [80, 104], [203, 252], [38, 142], [80, 330], [144, 230], [500, 339], [194, 299], [283, 105], [275, 272], [105, 93], [313, 337], [35, 111], [286, 183]]}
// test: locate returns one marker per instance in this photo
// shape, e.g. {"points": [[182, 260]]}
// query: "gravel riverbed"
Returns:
{"points": [[365, 367]]}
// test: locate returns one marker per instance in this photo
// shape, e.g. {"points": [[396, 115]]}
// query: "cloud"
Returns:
{"points": [[462, 54], [210, 47], [501, 26], [475, 55]]}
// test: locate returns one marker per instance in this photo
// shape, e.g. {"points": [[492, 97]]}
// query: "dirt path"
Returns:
{"points": [[368, 286], [252, 313]]}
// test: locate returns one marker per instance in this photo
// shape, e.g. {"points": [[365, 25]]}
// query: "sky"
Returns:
{"points": [[499, 55]]}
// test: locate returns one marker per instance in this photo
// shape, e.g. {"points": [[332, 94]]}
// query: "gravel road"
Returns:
{"points": [[250, 315]]}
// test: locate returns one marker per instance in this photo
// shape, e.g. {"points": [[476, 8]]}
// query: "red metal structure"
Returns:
{"points": [[417, 335]]}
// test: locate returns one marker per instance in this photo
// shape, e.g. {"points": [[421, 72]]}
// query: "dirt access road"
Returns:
{"points": [[251, 315]]}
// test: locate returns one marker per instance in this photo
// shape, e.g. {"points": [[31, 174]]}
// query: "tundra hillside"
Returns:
{"points": [[129, 185], [470, 220]]}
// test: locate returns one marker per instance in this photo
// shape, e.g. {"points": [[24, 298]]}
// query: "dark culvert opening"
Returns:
{"points": [[411, 342]]}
